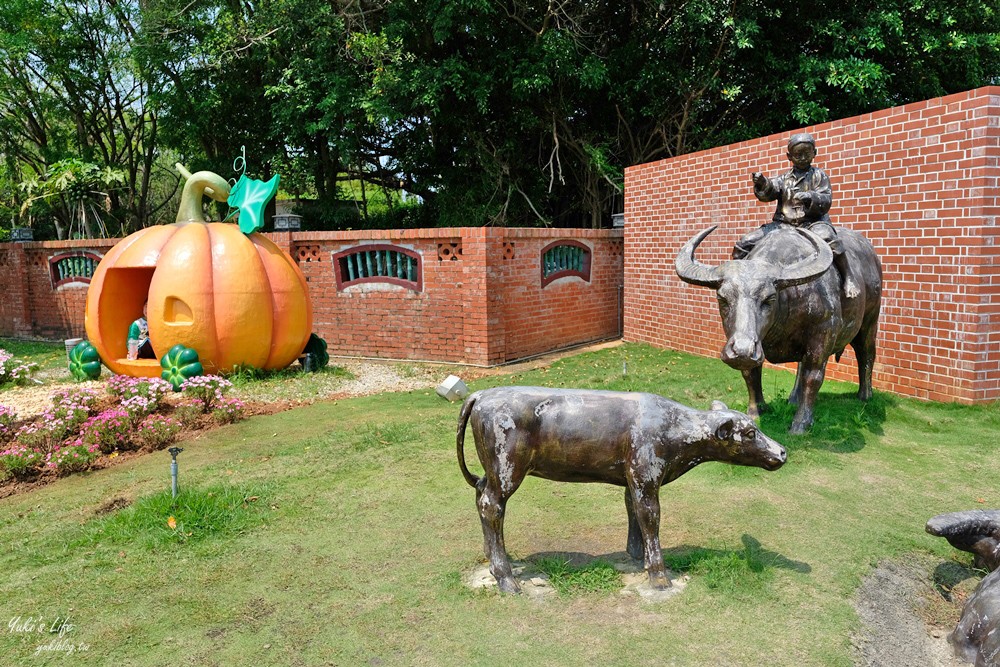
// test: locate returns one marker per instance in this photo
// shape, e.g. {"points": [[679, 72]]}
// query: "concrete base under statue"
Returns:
{"points": [[536, 585]]}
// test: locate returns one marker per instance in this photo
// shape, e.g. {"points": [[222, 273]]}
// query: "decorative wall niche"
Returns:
{"points": [[378, 263]]}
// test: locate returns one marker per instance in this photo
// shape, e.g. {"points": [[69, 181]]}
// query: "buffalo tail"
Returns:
{"points": [[463, 419]]}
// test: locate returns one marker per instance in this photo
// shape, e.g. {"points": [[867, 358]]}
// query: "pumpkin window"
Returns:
{"points": [[378, 263], [562, 259]]}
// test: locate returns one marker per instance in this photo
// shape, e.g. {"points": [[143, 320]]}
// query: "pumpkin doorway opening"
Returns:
{"points": [[121, 299]]}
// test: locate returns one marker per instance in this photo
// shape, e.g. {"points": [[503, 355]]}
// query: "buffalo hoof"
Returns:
{"points": [[659, 581], [508, 585], [799, 428]]}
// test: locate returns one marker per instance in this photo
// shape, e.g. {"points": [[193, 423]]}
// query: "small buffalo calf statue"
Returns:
{"points": [[639, 441]]}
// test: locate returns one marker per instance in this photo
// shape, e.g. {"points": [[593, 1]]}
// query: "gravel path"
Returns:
{"points": [[31, 401], [369, 378], [376, 377]]}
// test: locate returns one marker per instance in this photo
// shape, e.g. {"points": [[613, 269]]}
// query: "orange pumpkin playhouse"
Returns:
{"points": [[236, 298]]}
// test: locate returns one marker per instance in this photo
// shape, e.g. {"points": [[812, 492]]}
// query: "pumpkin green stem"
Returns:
{"points": [[199, 184]]}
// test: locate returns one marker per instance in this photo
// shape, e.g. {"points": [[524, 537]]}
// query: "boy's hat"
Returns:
{"points": [[801, 138]]}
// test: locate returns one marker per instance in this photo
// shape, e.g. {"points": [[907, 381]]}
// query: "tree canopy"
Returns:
{"points": [[509, 112]]}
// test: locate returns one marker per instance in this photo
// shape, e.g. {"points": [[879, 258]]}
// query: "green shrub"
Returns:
{"points": [[157, 431], [187, 413], [109, 431], [207, 391], [7, 419], [229, 411], [72, 457]]}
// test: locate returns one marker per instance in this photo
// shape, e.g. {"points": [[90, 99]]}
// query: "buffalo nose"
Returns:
{"points": [[743, 352], [777, 458]]}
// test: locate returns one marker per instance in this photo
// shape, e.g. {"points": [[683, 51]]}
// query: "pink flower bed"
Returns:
{"points": [[81, 425]]}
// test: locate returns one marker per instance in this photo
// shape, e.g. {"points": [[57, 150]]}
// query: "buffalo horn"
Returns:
{"points": [[692, 271], [969, 522], [811, 267]]}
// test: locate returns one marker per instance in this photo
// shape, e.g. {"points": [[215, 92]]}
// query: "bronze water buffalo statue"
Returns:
{"points": [[975, 531], [639, 441], [784, 303], [976, 637]]}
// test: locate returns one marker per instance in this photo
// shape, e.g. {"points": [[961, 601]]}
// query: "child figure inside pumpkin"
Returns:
{"points": [[139, 346]]}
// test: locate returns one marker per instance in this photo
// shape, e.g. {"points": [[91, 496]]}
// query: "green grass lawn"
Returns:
{"points": [[337, 534], [50, 358]]}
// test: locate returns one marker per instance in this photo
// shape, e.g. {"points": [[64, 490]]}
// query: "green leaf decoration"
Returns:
{"points": [[84, 362], [315, 351], [179, 364], [250, 196]]}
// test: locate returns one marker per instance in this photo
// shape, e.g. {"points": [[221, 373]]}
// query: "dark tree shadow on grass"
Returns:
{"points": [[949, 574], [752, 557]]}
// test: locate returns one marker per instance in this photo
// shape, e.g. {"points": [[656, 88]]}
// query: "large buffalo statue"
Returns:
{"points": [[784, 302]]}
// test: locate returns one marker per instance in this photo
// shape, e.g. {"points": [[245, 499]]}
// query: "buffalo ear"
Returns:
{"points": [[719, 405], [725, 430]]}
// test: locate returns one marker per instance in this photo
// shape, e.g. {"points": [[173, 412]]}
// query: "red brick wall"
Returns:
{"points": [[15, 314], [921, 181], [569, 309], [30, 306], [481, 300]]}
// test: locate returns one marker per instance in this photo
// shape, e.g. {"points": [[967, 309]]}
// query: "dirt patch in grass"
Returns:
{"points": [[907, 610], [113, 505], [255, 408], [12, 487]]}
